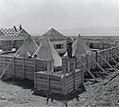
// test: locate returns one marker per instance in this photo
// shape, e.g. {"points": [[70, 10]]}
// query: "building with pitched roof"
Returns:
{"points": [[12, 38], [27, 49], [46, 51], [57, 39]]}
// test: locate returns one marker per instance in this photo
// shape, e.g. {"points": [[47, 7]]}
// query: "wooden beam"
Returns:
{"points": [[23, 66], [87, 69], [48, 78], [111, 57], [5, 69], [74, 74], [103, 58], [34, 73], [14, 65], [116, 55], [97, 63]]}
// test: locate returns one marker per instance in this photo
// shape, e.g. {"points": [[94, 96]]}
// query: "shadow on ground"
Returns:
{"points": [[24, 83], [27, 84]]}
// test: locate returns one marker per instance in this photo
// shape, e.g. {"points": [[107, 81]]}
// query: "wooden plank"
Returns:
{"points": [[63, 81], [103, 58], [97, 64], [112, 58], [5, 69], [87, 70], [48, 78], [116, 55], [34, 72]]}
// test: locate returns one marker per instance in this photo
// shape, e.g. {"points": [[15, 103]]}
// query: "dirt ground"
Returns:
{"points": [[19, 93]]}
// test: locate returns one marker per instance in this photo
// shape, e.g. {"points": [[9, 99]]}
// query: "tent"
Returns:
{"points": [[27, 49], [79, 47], [46, 51]]}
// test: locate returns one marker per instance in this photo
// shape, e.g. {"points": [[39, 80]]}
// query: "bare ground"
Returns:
{"points": [[19, 93]]}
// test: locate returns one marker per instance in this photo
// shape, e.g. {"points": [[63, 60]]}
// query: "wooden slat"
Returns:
{"points": [[103, 58], [88, 70], [97, 64], [111, 57]]}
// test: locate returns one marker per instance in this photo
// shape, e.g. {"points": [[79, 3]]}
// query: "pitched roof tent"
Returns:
{"points": [[52, 34], [79, 47], [29, 47], [46, 51]]}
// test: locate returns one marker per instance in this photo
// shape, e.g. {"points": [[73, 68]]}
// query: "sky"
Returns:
{"points": [[37, 15]]}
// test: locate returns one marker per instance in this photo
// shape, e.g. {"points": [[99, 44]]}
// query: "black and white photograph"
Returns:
{"points": [[59, 53]]}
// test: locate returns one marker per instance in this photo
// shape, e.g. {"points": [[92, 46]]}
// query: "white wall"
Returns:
{"points": [[60, 51]]}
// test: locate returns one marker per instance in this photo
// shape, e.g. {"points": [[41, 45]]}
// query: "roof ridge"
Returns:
{"points": [[54, 35]]}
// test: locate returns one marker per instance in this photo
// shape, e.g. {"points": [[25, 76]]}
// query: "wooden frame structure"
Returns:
{"points": [[41, 72]]}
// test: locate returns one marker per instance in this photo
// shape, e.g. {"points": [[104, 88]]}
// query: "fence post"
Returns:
{"points": [[34, 72], [74, 73], [23, 67], [63, 78], [4, 62], [48, 79], [14, 66]]}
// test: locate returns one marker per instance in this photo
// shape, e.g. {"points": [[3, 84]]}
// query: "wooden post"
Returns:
{"points": [[68, 64], [103, 58], [48, 79], [23, 67], [5, 69], [87, 69], [63, 77], [63, 80], [117, 50], [111, 58], [34, 73], [86, 61], [116, 55], [74, 74], [14, 65], [52, 66], [97, 63], [4, 62]]}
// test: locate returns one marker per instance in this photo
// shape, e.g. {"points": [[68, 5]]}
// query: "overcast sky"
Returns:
{"points": [[36, 15]]}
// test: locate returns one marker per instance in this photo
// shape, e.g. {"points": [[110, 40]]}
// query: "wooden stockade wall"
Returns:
{"points": [[70, 78], [90, 64], [21, 67], [62, 84], [40, 72]]}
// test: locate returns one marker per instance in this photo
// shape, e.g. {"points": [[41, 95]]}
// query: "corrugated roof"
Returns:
{"points": [[28, 46], [52, 34], [11, 34], [46, 51]]}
